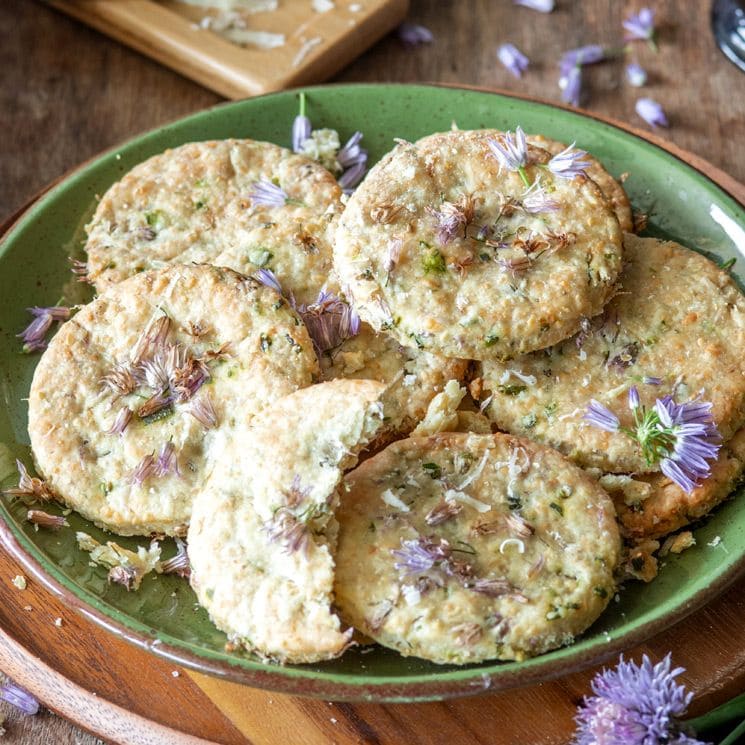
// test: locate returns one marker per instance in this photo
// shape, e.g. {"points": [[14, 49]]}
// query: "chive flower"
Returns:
{"points": [[681, 438], [19, 697], [34, 334], [570, 84], [330, 321], [413, 34], [635, 705], [636, 75], [569, 163], [640, 26], [267, 194]]}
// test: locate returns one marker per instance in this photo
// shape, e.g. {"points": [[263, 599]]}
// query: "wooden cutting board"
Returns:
{"points": [[317, 44], [126, 695]]}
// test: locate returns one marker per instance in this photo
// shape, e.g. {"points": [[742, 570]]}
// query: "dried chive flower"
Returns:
{"points": [[45, 520], [443, 511], [123, 418], [29, 486], [34, 334], [178, 564], [635, 705], [121, 380], [79, 269], [202, 409], [513, 59], [287, 529], [330, 321], [453, 218]]}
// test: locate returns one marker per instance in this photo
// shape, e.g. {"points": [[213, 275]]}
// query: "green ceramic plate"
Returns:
{"points": [[682, 204]]}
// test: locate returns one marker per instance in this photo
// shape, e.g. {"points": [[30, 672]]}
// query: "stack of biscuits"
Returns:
{"points": [[423, 475]]}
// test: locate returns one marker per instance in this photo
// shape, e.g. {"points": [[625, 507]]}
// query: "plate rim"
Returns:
{"points": [[460, 682]]}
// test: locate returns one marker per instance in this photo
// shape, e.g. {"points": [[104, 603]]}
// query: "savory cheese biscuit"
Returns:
{"points": [[678, 318], [413, 376], [262, 538], [651, 506], [126, 401], [199, 203], [612, 190], [442, 247], [460, 548]]}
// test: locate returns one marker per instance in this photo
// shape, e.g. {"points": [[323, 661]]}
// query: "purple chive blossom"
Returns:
{"points": [[351, 153], [123, 418], [542, 6], [301, 128], [640, 26], [570, 84], [513, 59], [329, 321], [652, 113], [510, 151], [587, 55], [569, 163], [696, 440], [33, 335], [143, 471], [269, 279], [634, 402], [268, 194], [636, 75], [650, 380], [352, 176], [416, 556], [602, 417], [451, 220], [18, 697], [393, 254], [413, 34], [535, 200], [635, 705]]}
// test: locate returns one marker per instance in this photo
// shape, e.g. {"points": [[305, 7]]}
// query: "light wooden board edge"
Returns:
{"points": [[230, 70], [93, 713]]}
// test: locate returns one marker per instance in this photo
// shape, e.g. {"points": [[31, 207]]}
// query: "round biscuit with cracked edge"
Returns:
{"points": [[677, 317], [460, 548], [524, 286], [612, 190], [651, 506], [193, 204], [413, 376], [268, 583], [252, 345]]}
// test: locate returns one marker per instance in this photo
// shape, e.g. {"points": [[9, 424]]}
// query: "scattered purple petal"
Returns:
{"points": [[542, 6], [634, 402], [268, 194], [652, 113], [178, 564], [352, 177], [393, 254], [570, 84], [34, 334], [143, 471], [45, 520], [587, 55], [329, 321], [640, 25], [413, 34], [513, 59], [602, 417], [417, 556], [452, 218], [569, 163], [650, 380], [18, 697], [287, 529], [636, 75], [351, 153], [301, 129], [269, 279], [123, 418], [635, 705], [203, 411], [536, 200], [167, 462], [510, 151], [79, 269]]}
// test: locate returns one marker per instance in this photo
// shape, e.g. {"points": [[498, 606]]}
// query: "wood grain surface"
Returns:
{"points": [[68, 92]]}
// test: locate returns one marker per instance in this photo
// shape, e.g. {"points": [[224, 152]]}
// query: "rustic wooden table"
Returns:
{"points": [[68, 92]]}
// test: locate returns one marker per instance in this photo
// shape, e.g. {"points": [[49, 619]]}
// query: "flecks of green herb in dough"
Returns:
{"points": [[266, 344], [210, 593], [158, 415], [528, 421], [511, 389], [295, 346], [600, 592], [155, 219], [433, 470], [557, 507], [550, 409], [553, 614], [433, 262], [106, 487], [260, 256], [514, 503], [490, 340], [278, 304], [417, 340]]}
